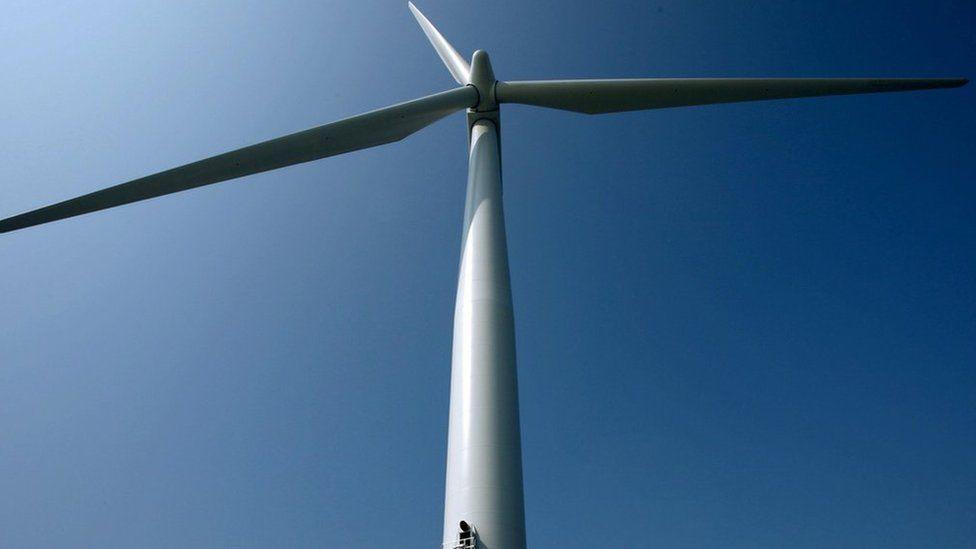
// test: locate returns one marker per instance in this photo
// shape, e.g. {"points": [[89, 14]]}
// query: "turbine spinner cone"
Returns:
{"points": [[483, 79]]}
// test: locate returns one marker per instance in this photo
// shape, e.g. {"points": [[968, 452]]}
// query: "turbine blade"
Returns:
{"points": [[603, 96], [452, 59], [358, 132]]}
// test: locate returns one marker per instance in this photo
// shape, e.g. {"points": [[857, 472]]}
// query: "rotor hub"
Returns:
{"points": [[482, 78]]}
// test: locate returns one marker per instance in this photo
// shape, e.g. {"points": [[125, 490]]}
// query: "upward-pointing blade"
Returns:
{"points": [[359, 132], [603, 96], [452, 59]]}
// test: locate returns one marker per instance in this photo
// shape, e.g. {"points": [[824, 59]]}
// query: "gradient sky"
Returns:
{"points": [[744, 325]]}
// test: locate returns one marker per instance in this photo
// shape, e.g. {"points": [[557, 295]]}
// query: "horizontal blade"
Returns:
{"points": [[603, 96], [452, 59], [359, 132]]}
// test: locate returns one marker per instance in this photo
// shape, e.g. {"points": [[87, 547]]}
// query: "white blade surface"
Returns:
{"points": [[359, 132], [452, 59], [603, 96]]}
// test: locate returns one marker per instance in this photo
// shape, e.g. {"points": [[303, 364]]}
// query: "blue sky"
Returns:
{"points": [[738, 326]]}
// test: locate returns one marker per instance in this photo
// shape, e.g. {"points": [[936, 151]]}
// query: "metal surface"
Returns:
{"points": [[359, 132], [484, 452], [603, 96], [483, 79]]}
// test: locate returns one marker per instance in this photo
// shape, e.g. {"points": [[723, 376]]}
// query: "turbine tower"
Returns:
{"points": [[483, 501]]}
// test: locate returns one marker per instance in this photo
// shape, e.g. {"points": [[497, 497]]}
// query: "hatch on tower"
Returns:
{"points": [[466, 538]]}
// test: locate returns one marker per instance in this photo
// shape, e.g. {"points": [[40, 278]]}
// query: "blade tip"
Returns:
{"points": [[954, 82], [8, 226], [418, 15]]}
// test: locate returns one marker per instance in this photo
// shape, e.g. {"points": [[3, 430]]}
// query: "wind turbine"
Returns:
{"points": [[483, 499]]}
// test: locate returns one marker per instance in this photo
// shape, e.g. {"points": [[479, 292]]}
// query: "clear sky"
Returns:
{"points": [[738, 326]]}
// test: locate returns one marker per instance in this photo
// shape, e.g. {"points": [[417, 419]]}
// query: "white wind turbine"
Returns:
{"points": [[483, 501]]}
